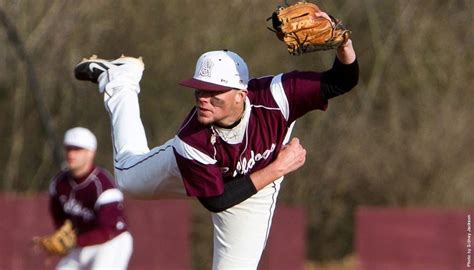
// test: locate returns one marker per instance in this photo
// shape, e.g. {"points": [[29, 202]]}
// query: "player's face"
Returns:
{"points": [[79, 160], [219, 107]]}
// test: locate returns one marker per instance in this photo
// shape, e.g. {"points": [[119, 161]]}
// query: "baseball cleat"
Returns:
{"points": [[89, 69]]}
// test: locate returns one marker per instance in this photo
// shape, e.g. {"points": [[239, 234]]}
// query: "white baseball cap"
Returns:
{"points": [[80, 137], [219, 71]]}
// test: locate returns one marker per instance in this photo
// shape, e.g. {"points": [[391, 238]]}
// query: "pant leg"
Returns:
{"points": [[114, 254], [241, 232], [139, 172], [71, 261]]}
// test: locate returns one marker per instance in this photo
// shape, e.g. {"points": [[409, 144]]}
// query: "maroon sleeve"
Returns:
{"points": [[108, 216], [303, 90], [55, 208], [56, 211]]}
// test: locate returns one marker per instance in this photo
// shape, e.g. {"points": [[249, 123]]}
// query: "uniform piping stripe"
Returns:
{"points": [[189, 120], [143, 160], [265, 107], [91, 177], [111, 127], [272, 206]]}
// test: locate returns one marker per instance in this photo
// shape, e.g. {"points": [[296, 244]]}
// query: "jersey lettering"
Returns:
{"points": [[75, 208], [244, 165]]}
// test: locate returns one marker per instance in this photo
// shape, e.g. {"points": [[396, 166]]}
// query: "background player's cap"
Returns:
{"points": [[80, 137], [219, 71]]}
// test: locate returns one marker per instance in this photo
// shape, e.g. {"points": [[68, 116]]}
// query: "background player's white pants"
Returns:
{"points": [[113, 254], [240, 232]]}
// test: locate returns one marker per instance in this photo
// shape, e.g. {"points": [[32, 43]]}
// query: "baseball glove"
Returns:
{"points": [[303, 30], [59, 242]]}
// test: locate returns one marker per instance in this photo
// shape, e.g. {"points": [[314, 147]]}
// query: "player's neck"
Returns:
{"points": [[229, 126], [233, 120], [82, 172]]}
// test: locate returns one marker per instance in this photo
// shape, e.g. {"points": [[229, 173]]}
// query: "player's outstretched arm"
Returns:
{"points": [[289, 159], [344, 75]]}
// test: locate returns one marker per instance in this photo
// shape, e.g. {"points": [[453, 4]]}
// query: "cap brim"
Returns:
{"points": [[73, 146], [79, 146], [202, 85]]}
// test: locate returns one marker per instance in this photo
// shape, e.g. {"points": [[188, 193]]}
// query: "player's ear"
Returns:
{"points": [[91, 154], [241, 94]]}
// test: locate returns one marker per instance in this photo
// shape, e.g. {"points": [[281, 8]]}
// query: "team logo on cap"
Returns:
{"points": [[206, 68]]}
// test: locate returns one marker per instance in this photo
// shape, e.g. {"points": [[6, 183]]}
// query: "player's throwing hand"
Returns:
{"points": [[292, 156]]}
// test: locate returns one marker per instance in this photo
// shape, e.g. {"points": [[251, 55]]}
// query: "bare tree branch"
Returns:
{"points": [[33, 86]]}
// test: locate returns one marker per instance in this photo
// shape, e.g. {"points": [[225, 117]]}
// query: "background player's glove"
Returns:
{"points": [[59, 242], [301, 27]]}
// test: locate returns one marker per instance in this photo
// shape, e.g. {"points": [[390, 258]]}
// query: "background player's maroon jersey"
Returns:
{"points": [[92, 203]]}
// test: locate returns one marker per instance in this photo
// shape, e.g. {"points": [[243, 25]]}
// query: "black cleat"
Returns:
{"points": [[89, 69]]}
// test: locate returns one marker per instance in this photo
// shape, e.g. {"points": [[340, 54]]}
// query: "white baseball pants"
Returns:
{"points": [[240, 232], [113, 254]]}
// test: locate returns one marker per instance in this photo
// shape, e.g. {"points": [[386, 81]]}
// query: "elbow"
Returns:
{"points": [[351, 84], [213, 205], [216, 209], [340, 80], [353, 78]]}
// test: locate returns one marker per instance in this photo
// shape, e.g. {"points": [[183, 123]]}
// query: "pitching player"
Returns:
{"points": [[231, 151], [86, 195]]}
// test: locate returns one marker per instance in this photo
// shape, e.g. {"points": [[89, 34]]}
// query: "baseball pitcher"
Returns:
{"points": [[232, 149]]}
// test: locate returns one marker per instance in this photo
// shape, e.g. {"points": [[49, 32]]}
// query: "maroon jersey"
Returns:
{"points": [[92, 203], [207, 156]]}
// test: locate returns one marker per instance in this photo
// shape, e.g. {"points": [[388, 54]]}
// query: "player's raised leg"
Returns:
{"points": [[138, 171]]}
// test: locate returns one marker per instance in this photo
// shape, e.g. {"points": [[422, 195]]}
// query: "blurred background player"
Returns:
{"points": [[86, 194]]}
